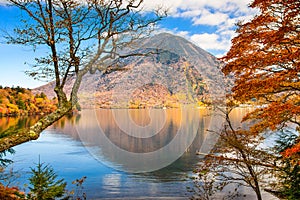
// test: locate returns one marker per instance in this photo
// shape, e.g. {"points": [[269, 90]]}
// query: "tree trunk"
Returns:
{"points": [[64, 106], [61, 95], [257, 190], [33, 133]]}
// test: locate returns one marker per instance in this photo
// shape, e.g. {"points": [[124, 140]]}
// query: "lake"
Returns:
{"points": [[124, 153]]}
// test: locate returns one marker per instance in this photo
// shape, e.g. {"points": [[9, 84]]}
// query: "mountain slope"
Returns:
{"points": [[181, 73]]}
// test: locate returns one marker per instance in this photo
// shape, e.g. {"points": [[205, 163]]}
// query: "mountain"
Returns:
{"points": [[179, 73]]}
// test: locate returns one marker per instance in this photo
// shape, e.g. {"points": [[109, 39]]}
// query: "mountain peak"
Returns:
{"points": [[179, 45], [164, 35], [181, 74]]}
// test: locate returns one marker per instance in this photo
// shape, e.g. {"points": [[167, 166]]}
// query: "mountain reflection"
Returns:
{"points": [[112, 134], [140, 131]]}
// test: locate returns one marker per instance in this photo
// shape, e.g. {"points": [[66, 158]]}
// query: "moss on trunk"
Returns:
{"points": [[33, 133]]}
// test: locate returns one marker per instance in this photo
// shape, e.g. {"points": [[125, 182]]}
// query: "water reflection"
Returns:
{"points": [[112, 182], [177, 139], [100, 133], [8, 124], [124, 139]]}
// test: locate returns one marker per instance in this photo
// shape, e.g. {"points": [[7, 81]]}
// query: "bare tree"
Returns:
{"points": [[238, 159], [81, 37]]}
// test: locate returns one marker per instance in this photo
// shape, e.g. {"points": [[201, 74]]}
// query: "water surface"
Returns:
{"points": [[117, 150]]}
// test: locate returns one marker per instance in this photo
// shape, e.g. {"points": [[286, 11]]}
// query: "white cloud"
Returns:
{"points": [[183, 33], [189, 13], [192, 5], [222, 15], [212, 19], [171, 5], [210, 41]]}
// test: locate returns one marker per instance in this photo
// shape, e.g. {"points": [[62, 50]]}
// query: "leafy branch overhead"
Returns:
{"points": [[265, 59]]}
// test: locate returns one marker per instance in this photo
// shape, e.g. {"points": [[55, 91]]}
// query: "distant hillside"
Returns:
{"points": [[21, 101], [181, 73]]}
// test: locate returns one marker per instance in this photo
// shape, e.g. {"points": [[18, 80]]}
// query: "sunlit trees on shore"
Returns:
{"points": [[20, 101]]}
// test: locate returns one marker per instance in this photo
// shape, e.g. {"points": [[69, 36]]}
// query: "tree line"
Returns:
{"points": [[17, 101]]}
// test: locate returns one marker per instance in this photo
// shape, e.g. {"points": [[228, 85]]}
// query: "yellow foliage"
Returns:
{"points": [[20, 101], [201, 104], [12, 108]]}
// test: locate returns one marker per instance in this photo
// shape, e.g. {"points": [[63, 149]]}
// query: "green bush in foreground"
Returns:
{"points": [[44, 183]]}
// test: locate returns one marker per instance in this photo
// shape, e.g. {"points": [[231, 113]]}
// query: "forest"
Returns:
{"points": [[18, 101]]}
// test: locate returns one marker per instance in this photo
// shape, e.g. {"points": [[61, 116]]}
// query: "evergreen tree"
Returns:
{"points": [[290, 168], [43, 95], [21, 104], [3, 161], [45, 184]]}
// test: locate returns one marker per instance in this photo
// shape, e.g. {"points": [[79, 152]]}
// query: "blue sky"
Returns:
{"points": [[210, 24]]}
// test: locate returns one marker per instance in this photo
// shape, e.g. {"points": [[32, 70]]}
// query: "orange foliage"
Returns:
{"points": [[12, 193], [20, 101], [265, 59], [292, 151]]}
